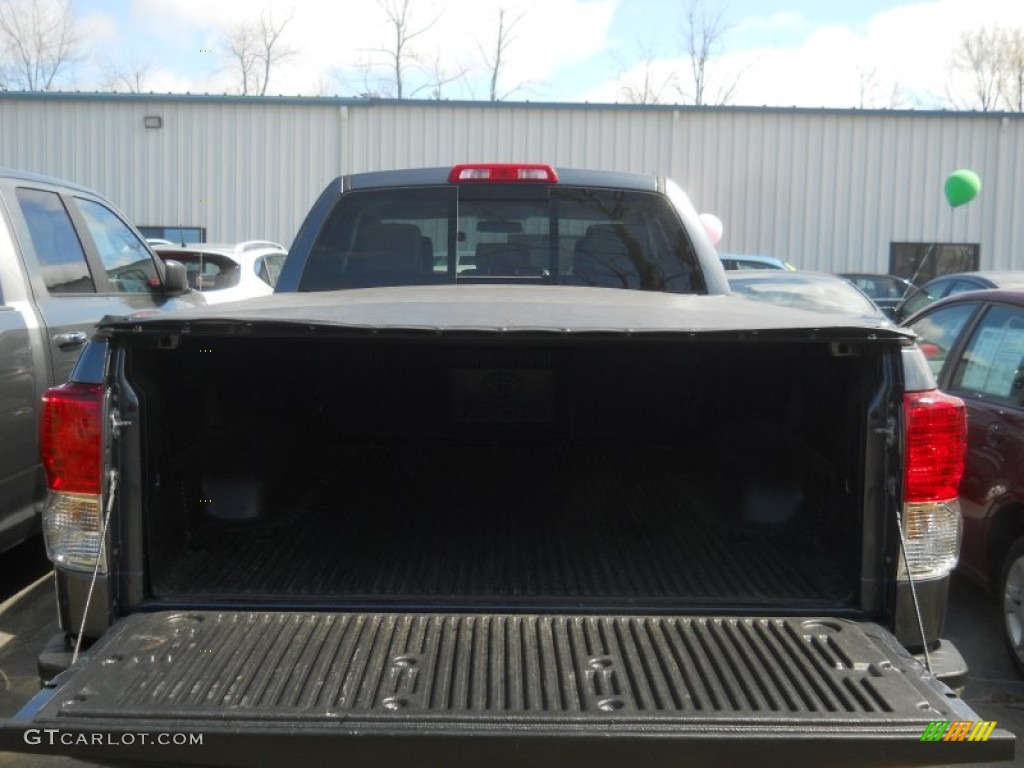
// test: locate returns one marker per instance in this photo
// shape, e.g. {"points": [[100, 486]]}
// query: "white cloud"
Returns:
{"points": [[559, 43], [783, 21], [900, 59], [164, 80], [98, 28], [347, 37]]}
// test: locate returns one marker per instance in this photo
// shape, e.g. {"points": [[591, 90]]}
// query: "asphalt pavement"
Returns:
{"points": [[28, 618]]}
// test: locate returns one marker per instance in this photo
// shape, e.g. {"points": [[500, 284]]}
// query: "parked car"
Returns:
{"points": [[816, 291], [974, 343], [950, 285], [67, 258], [887, 291], [733, 261], [229, 272]]}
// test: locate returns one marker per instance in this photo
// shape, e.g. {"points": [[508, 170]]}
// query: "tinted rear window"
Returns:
{"points": [[206, 271], [58, 249], [503, 233]]}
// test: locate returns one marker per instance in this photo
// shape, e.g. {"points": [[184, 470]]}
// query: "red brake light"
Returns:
{"points": [[71, 434], [506, 172], [936, 426]]}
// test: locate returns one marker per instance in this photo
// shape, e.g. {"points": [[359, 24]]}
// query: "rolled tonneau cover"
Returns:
{"points": [[554, 308]]}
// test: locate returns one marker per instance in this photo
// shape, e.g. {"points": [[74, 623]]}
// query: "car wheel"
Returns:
{"points": [[1012, 584]]}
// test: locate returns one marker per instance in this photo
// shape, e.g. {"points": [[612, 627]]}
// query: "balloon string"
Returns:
{"points": [[932, 246]]}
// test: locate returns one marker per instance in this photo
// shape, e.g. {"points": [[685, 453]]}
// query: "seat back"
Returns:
{"points": [[427, 254], [504, 259], [385, 254]]}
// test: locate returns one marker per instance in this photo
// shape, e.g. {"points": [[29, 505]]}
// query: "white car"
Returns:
{"points": [[229, 272]]}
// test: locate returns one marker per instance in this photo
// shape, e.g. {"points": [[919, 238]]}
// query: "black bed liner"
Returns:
{"points": [[462, 689], [529, 526]]}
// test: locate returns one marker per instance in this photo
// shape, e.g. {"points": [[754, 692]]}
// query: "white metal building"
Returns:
{"points": [[825, 189]]}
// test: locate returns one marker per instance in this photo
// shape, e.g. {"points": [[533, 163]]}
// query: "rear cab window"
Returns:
{"points": [[207, 271], [503, 233], [268, 268]]}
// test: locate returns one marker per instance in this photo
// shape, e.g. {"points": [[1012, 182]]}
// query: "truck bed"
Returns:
{"points": [[629, 528], [519, 474]]}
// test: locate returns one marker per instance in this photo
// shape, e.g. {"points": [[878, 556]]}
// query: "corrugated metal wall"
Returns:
{"points": [[242, 170], [826, 189]]}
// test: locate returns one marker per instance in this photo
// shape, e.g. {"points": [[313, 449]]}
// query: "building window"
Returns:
{"points": [[920, 262], [176, 235]]}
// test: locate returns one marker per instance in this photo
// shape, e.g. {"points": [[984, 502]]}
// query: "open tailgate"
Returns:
{"points": [[305, 688]]}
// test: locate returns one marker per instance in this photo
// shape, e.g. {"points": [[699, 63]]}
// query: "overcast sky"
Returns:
{"points": [[833, 53]]}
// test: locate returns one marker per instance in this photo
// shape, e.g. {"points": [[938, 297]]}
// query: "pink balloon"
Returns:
{"points": [[713, 226]]}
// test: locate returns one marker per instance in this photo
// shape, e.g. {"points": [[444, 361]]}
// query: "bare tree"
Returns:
{"points": [[130, 78], [39, 39], [875, 93], [400, 55], [644, 85], [496, 58], [644, 91], [441, 76], [255, 47], [241, 42], [361, 79], [978, 58], [1011, 84], [867, 81], [703, 30]]}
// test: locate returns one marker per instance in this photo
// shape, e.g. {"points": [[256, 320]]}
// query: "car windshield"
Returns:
{"points": [[879, 287], [547, 234]]}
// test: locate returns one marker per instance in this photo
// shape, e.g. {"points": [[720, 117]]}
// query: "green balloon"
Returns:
{"points": [[961, 187]]}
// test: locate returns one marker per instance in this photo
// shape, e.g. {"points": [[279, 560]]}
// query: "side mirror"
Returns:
{"points": [[175, 277]]}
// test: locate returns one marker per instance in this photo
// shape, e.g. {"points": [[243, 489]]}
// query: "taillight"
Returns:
{"points": [[936, 447], [498, 172], [70, 442], [71, 447]]}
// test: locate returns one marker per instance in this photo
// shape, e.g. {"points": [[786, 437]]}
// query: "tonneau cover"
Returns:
{"points": [[558, 309], [312, 688]]}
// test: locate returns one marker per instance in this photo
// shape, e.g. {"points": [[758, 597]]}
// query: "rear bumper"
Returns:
{"points": [[933, 599], [414, 689], [948, 666], [55, 657]]}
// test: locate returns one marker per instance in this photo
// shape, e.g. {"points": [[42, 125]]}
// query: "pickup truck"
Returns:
{"points": [[67, 258], [502, 475]]}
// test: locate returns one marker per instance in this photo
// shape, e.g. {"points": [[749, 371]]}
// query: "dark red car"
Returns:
{"points": [[974, 343]]}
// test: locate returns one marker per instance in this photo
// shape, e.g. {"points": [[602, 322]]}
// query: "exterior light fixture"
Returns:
{"points": [[153, 121]]}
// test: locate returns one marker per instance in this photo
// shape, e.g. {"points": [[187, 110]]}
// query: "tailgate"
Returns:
{"points": [[303, 688]]}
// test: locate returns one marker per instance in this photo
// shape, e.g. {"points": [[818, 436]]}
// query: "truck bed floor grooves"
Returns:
{"points": [[323, 666]]}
